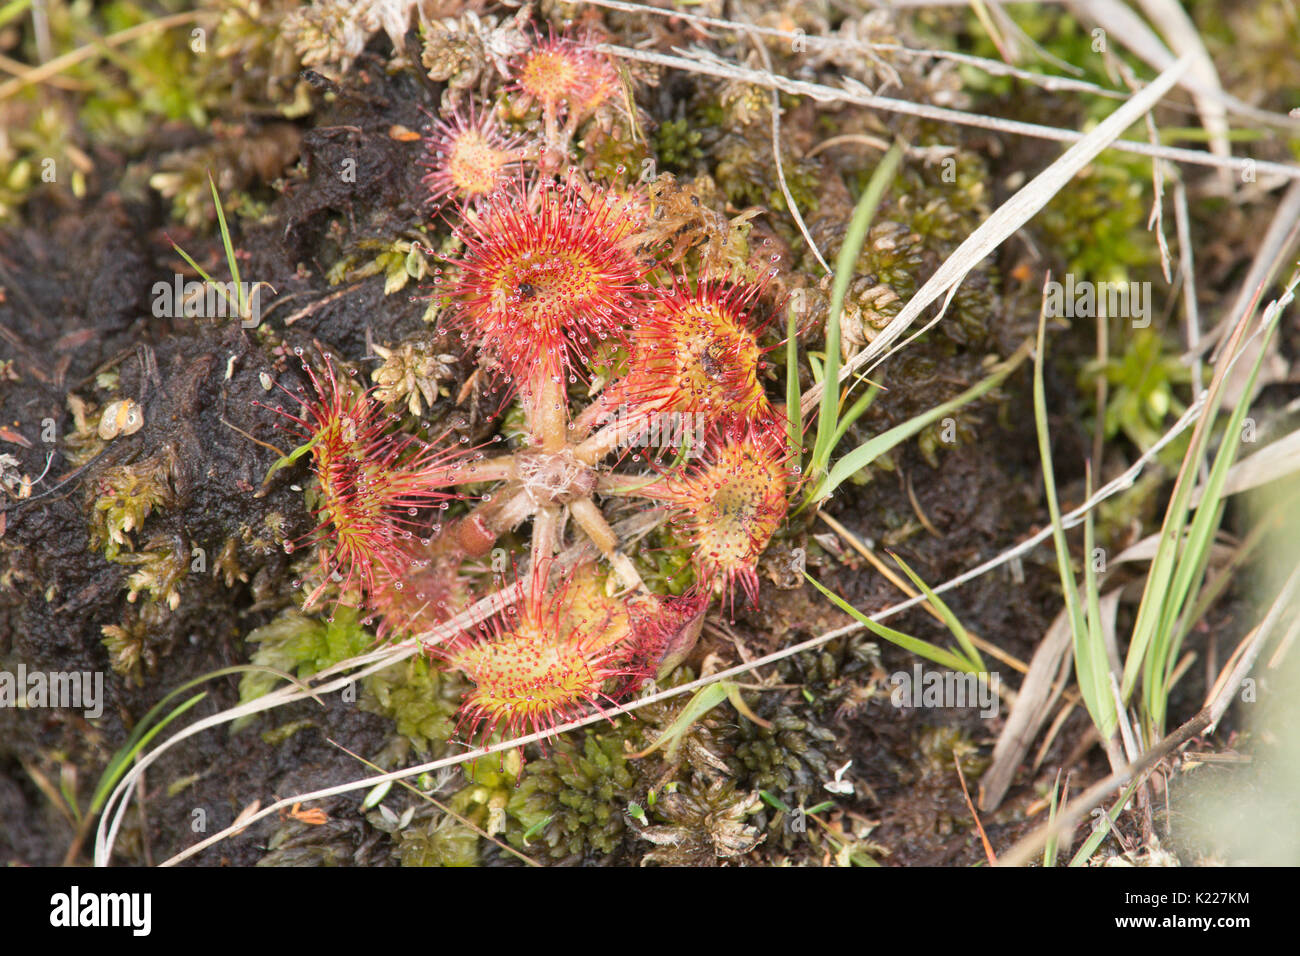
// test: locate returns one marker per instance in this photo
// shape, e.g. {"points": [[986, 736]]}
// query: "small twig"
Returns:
{"points": [[926, 154], [321, 303]]}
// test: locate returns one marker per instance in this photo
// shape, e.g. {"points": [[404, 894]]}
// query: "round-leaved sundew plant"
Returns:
{"points": [[559, 278], [545, 660], [468, 156], [568, 79], [371, 483], [729, 506], [547, 275], [695, 354]]}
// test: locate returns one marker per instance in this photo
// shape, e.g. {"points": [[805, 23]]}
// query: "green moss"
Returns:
{"points": [[746, 172], [38, 148], [1267, 76], [133, 645], [613, 155], [702, 823], [124, 496], [155, 80], [1098, 225], [677, 145], [158, 573], [437, 840], [398, 261], [927, 213], [421, 700], [786, 758], [571, 803], [1142, 388], [303, 646], [665, 563], [1059, 35], [941, 746]]}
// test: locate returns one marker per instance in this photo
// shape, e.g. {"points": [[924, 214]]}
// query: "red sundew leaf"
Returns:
{"points": [[729, 506], [697, 352], [468, 156], [551, 660], [372, 483], [562, 74], [546, 277]]}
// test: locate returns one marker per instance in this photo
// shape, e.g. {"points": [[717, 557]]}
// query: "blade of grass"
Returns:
{"points": [[231, 263], [13, 9], [1098, 834], [869, 451], [1095, 662], [854, 239], [794, 422], [1177, 557], [1090, 665], [1194, 558], [944, 612], [1049, 851], [705, 699], [931, 652], [853, 414]]}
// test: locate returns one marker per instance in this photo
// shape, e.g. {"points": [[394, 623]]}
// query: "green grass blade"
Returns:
{"points": [[705, 699], [219, 286], [950, 619], [231, 262], [1160, 603], [142, 733], [1051, 846], [854, 239], [1190, 566], [794, 423], [853, 414], [1099, 833], [1091, 661], [199, 269], [869, 451], [13, 9], [1156, 608], [931, 652], [124, 757], [1090, 665]]}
